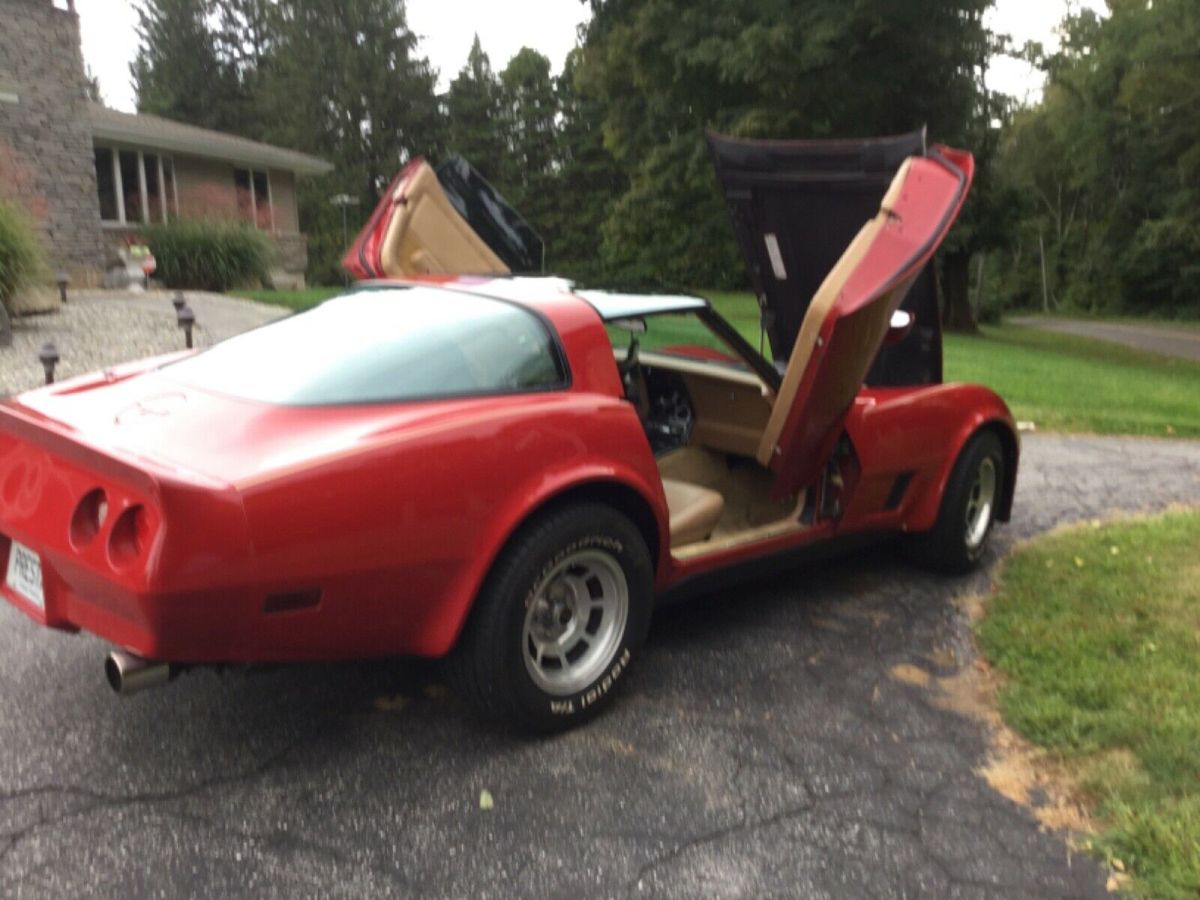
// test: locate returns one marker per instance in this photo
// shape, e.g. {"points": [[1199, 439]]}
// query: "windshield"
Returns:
{"points": [[383, 346]]}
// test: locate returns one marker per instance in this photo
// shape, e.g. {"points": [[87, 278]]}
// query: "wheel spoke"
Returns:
{"points": [[567, 656]]}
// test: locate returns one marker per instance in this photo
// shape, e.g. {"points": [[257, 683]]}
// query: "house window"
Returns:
{"points": [[253, 188], [133, 186], [169, 188], [106, 184], [154, 204]]}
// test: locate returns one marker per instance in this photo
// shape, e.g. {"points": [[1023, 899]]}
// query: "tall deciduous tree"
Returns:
{"points": [[1109, 162], [667, 69]]}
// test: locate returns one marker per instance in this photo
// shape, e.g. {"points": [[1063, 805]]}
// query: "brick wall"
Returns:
{"points": [[46, 161]]}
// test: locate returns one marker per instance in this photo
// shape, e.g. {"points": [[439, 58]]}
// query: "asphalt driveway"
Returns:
{"points": [[1181, 342], [761, 747]]}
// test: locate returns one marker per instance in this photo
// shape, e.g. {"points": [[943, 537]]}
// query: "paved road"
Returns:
{"points": [[1181, 342], [759, 748]]}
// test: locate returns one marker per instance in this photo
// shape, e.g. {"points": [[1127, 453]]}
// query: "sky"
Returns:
{"points": [[447, 28]]}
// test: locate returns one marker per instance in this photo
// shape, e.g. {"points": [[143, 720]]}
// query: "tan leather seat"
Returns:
{"points": [[693, 511]]}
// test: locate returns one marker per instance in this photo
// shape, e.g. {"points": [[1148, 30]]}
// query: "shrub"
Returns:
{"points": [[208, 255], [21, 256]]}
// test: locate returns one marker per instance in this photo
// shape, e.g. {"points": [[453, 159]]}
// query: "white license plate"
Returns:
{"points": [[25, 574]]}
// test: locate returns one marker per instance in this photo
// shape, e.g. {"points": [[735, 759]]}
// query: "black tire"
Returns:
{"points": [[568, 560], [959, 538]]}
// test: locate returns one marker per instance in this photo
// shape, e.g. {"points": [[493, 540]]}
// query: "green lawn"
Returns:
{"points": [[1059, 382], [1097, 632], [304, 298], [1066, 383]]}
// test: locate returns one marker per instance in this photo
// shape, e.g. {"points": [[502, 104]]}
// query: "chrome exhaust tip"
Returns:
{"points": [[127, 673]]}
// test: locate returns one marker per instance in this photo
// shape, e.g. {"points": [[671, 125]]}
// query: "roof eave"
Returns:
{"points": [[298, 163]]}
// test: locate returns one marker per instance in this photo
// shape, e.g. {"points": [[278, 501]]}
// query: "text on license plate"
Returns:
{"points": [[25, 574]]}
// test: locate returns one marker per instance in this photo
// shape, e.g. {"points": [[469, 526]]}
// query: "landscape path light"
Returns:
{"points": [[186, 319], [48, 356]]}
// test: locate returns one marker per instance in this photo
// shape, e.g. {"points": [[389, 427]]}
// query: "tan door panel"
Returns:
{"points": [[730, 416], [427, 236]]}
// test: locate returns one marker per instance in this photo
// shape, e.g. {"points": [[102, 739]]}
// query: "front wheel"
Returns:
{"points": [[958, 538], [558, 620]]}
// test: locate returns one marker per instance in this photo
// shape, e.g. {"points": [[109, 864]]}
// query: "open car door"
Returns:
{"points": [[848, 317], [447, 221]]}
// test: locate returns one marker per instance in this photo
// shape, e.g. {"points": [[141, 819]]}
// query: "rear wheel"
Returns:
{"points": [[958, 538], [558, 620]]}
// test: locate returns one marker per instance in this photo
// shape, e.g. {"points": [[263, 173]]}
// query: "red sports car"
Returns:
{"points": [[506, 471]]}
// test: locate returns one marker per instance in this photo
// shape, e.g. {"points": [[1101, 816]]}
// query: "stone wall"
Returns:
{"points": [[283, 195], [291, 259], [46, 160]]}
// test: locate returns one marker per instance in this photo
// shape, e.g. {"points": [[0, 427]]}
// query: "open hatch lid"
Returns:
{"points": [[847, 319]]}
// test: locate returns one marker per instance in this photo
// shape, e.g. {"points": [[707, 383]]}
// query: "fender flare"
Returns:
{"points": [[524, 503], [924, 513]]}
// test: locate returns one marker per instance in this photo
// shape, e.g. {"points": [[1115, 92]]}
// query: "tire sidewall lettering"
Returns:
{"points": [[571, 705], [590, 542]]}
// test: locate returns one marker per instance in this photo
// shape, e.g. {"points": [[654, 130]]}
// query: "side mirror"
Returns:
{"points": [[898, 329]]}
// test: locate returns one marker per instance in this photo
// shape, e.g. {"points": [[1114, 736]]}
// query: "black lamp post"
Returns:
{"points": [[62, 279], [48, 356], [186, 319]]}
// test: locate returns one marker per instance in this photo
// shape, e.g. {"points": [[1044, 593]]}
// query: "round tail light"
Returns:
{"points": [[88, 518], [129, 537]]}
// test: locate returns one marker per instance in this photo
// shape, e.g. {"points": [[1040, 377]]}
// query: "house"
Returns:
{"points": [[150, 169], [90, 177]]}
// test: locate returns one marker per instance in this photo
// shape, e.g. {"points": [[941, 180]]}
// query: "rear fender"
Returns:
{"points": [[523, 504]]}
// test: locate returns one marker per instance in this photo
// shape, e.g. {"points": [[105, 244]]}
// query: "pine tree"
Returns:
{"points": [[473, 115], [177, 72]]}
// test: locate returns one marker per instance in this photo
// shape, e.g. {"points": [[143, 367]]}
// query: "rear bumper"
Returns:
{"points": [[129, 550], [200, 626]]}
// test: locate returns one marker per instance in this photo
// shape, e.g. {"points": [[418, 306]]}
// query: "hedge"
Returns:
{"points": [[208, 255], [21, 256]]}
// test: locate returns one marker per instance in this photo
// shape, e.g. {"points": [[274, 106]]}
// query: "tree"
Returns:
{"points": [[1110, 162], [368, 106], [177, 72], [528, 113], [341, 80], [473, 115], [588, 181], [91, 86], [668, 69]]}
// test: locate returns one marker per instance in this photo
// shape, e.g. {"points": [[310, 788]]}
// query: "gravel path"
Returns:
{"points": [[1181, 342], [100, 328], [763, 746]]}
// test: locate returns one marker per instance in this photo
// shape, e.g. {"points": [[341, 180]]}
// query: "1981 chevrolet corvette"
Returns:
{"points": [[504, 470]]}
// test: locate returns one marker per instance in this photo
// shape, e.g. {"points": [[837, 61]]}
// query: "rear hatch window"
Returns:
{"points": [[381, 346]]}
